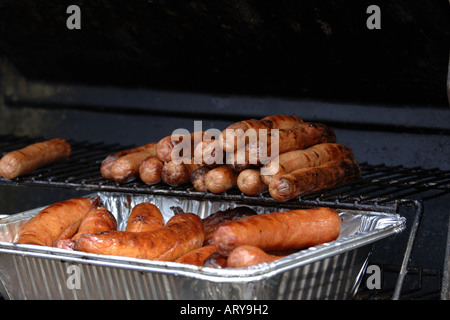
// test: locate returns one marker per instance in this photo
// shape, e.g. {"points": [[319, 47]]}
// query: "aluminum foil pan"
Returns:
{"points": [[330, 271]]}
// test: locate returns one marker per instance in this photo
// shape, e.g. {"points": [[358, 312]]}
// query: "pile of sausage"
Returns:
{"points": [[308, 160], [234, 238]]}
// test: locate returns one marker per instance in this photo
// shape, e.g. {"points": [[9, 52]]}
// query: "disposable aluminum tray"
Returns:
{"points": [[330, 271]]}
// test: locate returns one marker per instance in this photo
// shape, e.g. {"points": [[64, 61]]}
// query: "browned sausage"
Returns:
{"points": [[150, 170], [309, 180], [246, 256], [221, 179], [198, 178], [96, 220], [292, 229], [144, 217], [175, 174], [127, 167], [215, 260], [232, 137], [213, 221], [24, 161], [182, 233], [250, 183], [198, 256], [210, 153], [47, 226], [105, 168], [165, 146], [311, 157]]}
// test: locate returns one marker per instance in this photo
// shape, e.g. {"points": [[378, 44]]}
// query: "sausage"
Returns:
{"points": [[105, 167], [292, 229], [245, 256], [213, 221], [221, 179], [46, 227], [127, 167], [144, 217], [165, 146], [308, 180], [198, 178], [150, 170], [232, 137], [250, 182], [175, 174], [24, 161], [311, 157], [96, 220], [210, 152], [198, 256], [182, 233], [215, 260]]}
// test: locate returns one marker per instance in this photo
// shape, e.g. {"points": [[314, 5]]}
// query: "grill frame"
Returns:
{"points": [[381, 188]]}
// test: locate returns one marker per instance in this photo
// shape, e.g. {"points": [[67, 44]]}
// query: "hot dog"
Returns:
{"points": [[309, 180], [221, 179], [292, 229], [175, 174], [105, 168], [47, 226], [245, 256], [144, 217], [198, 256], [311, 157], [250, 182], [150, 170], [127, 167], [213, 221], [198, 178], [233, 136], [182, 233], [24, 161]]}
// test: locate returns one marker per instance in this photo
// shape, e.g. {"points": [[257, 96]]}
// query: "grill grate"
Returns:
{"points": [[381, 188]]}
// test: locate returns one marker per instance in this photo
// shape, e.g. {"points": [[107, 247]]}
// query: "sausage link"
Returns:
{"points": [[246, 256], [150, 170], [144, 217], [198, 256], [221, 179], [250, 182]]}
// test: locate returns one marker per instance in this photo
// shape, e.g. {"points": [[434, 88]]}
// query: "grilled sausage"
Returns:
{"points": [[250, 182], [215, 260], [198, 256], [105, 168], [150, 170], [127, 167], [311, 157], [24, 161], [221, 179], [210, 152], [213, 221], [246, 256], [233, 136], [198, 178], [182, 233], [46, 227], [292, 229], [175, 174], [165, 146], [144, 217], [309, 180]]}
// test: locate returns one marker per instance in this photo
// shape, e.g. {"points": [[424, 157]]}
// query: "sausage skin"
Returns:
{"points": [[144, 217], [198, 256], [221, 179], [313, 156], [182, 233], [150, 170], [309, 180], [213, 221], [246, 256], [24, 161], [292, 229], [46, 227]]}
